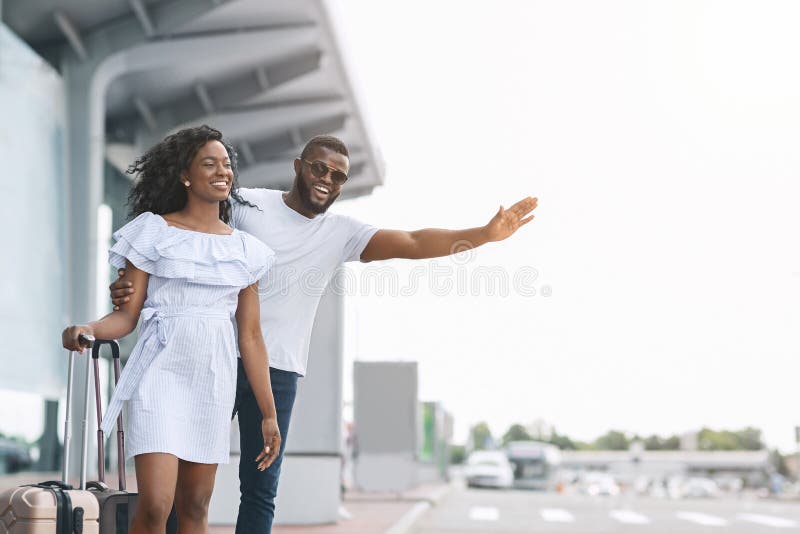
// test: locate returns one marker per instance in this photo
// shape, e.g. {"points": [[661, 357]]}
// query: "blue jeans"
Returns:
{"points": [[258, 488]]}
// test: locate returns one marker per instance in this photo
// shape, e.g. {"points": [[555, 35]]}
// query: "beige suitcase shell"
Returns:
{"points": [[32, 510]]}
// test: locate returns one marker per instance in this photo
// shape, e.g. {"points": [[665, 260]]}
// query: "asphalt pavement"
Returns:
{"points": [[515, 511], [370, 513]]}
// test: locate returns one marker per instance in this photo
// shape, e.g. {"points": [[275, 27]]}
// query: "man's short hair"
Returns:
{"points": [[326, 141]]}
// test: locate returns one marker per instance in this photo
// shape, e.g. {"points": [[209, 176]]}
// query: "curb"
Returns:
{"points": [[405, 523]]}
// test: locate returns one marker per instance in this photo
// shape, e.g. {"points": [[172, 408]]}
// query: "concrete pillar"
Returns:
{"points": [[386, 425], [85, 139], [50, 449]]}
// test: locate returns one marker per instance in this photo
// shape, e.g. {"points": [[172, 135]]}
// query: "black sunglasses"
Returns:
{"points": [[319, 169]]}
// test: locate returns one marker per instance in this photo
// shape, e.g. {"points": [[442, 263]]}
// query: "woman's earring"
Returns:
{"points": [[186, 183]]}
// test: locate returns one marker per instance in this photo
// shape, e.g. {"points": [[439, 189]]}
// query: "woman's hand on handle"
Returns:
{"points": [[69, 337], [272, 443]]}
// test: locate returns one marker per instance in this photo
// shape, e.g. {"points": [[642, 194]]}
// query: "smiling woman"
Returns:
{"points": [[179, 383]]}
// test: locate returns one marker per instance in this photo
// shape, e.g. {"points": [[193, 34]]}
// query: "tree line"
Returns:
{"points": [[707, 439]]}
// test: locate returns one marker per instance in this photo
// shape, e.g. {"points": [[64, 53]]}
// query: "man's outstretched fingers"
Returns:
{"points": [[522, 211], [517, 209], [526, 204]]}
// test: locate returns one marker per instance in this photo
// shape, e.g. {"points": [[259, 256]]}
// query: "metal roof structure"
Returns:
{"points": [[268, 74]]}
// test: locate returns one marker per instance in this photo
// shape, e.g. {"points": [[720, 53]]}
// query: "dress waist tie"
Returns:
{"points": [[153, 338]]}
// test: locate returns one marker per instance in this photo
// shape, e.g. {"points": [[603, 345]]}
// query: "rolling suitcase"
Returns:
{"points": [[54, 507], [117, 507]]}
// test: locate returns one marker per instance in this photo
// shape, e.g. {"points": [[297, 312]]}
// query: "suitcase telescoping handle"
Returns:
{"points": [[86, 341], [101, 457]]}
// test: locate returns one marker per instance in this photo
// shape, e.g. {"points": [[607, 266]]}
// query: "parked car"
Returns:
{"points": [[536, 465], [596, 483], [13, 457], [488, 469], [658, 489], [700, 488]]}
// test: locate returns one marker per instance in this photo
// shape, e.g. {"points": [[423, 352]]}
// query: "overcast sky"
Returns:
{"points": [[661, 139]]}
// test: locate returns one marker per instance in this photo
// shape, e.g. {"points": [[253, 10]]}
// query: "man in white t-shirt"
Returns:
{"points": [[310, 244]]}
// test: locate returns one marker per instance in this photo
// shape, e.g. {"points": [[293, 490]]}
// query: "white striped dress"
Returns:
{"points": [[180, 380]]}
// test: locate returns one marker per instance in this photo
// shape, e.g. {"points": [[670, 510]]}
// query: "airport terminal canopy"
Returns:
{"points": [[269, 74]]}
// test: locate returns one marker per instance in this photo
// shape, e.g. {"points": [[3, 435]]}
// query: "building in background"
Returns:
{"points": [[87, 85], [386, 417], [435, 436], [751, 467], [401, 442]]}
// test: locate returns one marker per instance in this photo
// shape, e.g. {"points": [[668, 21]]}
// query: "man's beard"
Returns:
{"points": [[305, 197]]}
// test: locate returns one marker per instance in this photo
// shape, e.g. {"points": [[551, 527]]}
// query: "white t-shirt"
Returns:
{"points": [[307, 252]]}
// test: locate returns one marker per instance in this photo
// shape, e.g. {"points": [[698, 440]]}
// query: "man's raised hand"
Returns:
{"points": [[507, 221]]}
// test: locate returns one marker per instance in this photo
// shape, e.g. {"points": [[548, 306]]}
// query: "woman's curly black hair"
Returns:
{"points": [[158, 186]]}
